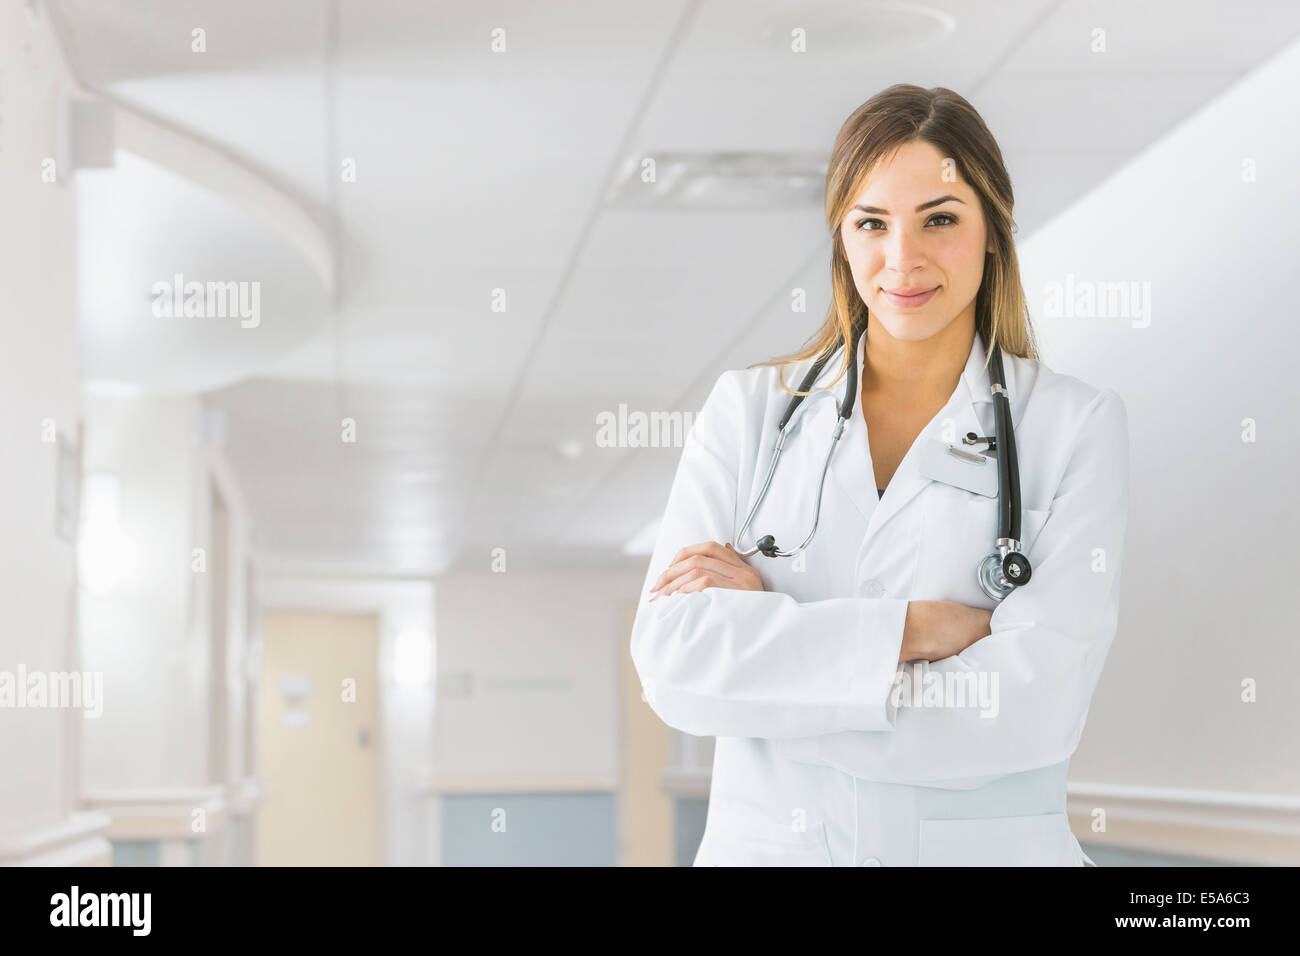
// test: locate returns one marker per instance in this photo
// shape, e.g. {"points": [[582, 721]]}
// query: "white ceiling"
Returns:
{"points": [[478, 171]]}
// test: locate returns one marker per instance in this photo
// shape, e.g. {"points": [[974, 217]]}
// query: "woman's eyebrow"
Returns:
{"points": [[925, 205]]}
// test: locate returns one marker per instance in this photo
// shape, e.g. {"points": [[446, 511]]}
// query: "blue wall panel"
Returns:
{"points": [[135, 852], [688, 828], [541, 829]]}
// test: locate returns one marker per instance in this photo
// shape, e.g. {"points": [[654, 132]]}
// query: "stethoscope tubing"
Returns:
{"points": [[1008, 464], [783, 429], [1003, 560]]}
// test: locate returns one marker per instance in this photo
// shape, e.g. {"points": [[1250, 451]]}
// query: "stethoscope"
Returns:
{"points": [[999, 572]]}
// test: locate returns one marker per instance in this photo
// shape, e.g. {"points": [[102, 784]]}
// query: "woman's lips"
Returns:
{"points": [[910, 301]]}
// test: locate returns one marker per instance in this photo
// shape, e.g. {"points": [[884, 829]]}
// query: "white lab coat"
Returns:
{"points": [[815, 762]]}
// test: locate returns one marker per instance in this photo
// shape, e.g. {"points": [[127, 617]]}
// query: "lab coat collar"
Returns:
{"points": [[970, 408]]}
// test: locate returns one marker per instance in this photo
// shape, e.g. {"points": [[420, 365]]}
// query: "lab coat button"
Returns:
{"points": [[873, 589], [871, 861]]}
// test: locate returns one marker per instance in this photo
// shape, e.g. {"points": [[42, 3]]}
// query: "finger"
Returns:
{"points": [[699, 562], [713, 549], [688, 574], [695, 580], [699, 584], [705, 548], [722, 576]]}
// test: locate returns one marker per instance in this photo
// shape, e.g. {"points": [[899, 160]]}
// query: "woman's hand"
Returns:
{"points": [[706, 565], [938, 629]]}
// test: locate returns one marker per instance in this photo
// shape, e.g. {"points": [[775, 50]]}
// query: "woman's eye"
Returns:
{"points": [[951, 219]]}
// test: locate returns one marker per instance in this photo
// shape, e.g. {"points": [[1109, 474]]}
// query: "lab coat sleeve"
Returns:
{"points": [[1043, 657], [727, 662]]}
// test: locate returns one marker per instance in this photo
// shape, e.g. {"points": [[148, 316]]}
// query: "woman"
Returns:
{"points": [[872, 705]]}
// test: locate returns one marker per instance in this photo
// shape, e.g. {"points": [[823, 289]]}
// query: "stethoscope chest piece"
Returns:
{"points": [[1003, 570]]}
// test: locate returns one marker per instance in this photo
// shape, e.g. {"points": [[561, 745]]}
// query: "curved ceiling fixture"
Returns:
{"points": [[202, 163]]}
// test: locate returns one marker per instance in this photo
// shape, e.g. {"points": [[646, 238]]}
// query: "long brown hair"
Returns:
{"points": [[901, 114]]}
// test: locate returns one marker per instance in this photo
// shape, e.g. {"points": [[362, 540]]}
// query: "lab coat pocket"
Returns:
{"points": [[959, 529], [739, 836], [1040, 840]]}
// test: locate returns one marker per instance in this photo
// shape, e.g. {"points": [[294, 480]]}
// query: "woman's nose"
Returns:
{"points": [[904, 252]]}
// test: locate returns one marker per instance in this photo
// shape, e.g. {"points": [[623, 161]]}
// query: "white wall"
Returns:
{"points": [[213, 469], [1211, 555], [150, 635], [39, 380], [150, 639], [529, 674]]}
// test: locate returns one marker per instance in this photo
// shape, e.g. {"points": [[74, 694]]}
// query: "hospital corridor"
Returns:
{"points": [[364, 365]]}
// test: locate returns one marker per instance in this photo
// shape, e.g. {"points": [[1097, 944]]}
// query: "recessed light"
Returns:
{"points": [[570, 448]]}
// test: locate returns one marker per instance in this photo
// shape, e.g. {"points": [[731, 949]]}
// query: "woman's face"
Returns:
{"points": [[898, 239]]}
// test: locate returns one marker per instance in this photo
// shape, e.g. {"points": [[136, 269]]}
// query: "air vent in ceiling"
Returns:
{"points": [[874, 28], [721, 180]]}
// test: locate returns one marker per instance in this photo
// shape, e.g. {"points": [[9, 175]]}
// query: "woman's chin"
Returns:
{"points": [[908, 328]]}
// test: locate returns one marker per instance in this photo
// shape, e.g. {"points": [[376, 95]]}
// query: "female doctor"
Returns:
{"points": [[872, 704]]}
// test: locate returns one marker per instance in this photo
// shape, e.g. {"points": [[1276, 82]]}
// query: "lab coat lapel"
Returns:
{"points": [[969, 409]]}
